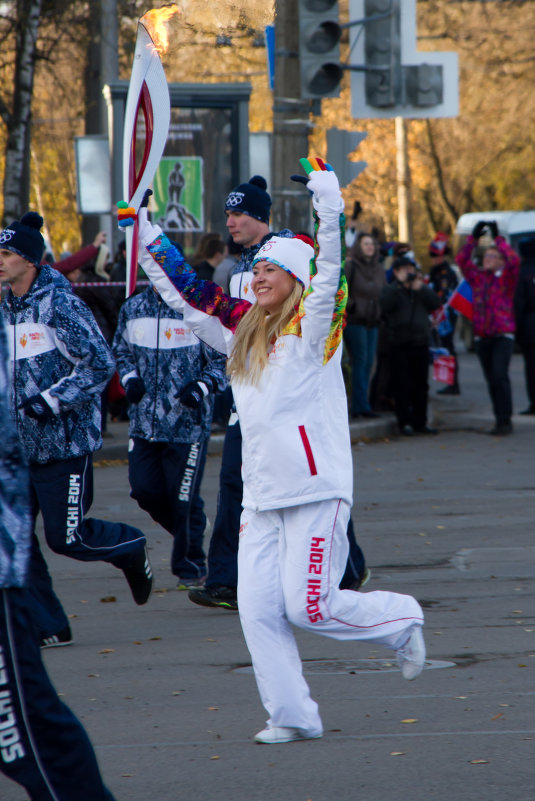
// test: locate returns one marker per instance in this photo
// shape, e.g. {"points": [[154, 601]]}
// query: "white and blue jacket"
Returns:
{"points": [[152, 342], [14, 508], [56, 350]]}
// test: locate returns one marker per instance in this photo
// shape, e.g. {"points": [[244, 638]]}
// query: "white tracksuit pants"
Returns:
{"points": [[290, 563]]}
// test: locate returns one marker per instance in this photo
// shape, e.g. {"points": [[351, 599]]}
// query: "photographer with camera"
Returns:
{"points": [[493, 281], [405, 305]]}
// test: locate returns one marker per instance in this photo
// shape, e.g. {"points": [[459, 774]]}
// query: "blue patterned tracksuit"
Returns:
{"points": [[168, 440], [57, 351], [43, 746]]}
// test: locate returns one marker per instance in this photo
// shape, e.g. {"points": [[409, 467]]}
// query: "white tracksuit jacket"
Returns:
{"points": [[296, 445]]}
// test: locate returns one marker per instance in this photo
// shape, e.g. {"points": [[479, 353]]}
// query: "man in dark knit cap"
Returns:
{"points": [[406, 304], [60, 365], [247, 209]]}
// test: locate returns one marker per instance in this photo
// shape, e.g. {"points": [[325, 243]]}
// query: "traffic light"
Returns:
{"points": [[424, 85], [319, 48], [382, 48], [390, 77]]}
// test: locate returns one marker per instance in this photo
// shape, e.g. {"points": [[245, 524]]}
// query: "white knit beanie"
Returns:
{"points": [[293, 255]]}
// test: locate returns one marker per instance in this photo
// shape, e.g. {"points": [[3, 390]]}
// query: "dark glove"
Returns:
{"points": [[478, 229], [37, 407], [493, 229], [357, 210], [191, 395], [145, 201], [134, 389], [300, 179]]}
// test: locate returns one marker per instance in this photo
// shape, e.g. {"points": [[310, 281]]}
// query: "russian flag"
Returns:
{"points": [[461, 300]]}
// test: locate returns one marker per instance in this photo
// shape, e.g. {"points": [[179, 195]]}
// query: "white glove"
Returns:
{"points": [[325, 189]]}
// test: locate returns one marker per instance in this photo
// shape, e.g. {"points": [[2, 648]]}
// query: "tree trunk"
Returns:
{"points": [[17, 153]]}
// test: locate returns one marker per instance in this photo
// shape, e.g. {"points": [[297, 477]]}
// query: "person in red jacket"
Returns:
{"points": [[82, 258], [493, 280]]}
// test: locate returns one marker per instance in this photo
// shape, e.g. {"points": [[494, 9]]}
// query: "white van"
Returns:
{"points": [[513, 225]]}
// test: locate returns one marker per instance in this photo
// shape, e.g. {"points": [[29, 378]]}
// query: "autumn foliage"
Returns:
{"points": [[485, 158]]}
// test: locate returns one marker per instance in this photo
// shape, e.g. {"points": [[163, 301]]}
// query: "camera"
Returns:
{"points": [[411, 277]]}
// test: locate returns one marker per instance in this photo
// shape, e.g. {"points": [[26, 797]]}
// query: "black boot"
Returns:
{"points": [[450, 389]]}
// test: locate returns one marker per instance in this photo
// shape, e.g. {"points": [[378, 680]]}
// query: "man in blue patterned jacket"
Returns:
{"points": [[60, 364], [170, 378], [43, 746]]}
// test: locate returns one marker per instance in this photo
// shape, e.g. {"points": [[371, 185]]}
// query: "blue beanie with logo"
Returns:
{"points": [[251, 198], [24, 238]]}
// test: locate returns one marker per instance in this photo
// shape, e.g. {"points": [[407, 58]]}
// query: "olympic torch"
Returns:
{"points": [[147, 101]]}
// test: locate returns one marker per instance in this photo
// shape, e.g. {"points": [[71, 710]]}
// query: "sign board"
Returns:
{"points": [[92, 159]]}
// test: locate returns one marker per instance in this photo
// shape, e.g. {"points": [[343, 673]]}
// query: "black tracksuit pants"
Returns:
{"points": [[63, 493], [43, 746], [495, 355], [410, 381], [165, 478]]}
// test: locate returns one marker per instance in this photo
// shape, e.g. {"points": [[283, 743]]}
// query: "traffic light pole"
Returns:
{"points": [[291, 123], [403, 181]]}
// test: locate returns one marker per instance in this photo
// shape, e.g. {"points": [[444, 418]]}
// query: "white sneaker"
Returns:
{"points": [[411, 656], [284, 734]]}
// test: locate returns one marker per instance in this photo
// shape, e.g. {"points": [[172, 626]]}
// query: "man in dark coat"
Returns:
{"points": [[406, 304]]}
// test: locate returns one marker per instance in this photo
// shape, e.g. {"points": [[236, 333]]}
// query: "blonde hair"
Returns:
{"points": [[255, 335]]}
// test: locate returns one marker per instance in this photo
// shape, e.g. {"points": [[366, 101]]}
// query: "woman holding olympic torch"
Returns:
{"points": [[284, 353]]}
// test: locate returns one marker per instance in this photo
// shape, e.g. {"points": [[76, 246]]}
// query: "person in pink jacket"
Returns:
{"points": [[285, 366], [493, 283]]}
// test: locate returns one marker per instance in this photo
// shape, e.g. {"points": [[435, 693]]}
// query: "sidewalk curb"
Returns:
{"points": [[116, 447]]}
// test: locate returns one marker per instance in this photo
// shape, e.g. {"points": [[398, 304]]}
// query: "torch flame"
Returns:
{"points": [[155, 22]]}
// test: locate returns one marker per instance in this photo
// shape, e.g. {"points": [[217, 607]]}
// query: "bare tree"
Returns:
{"points": [[16, 112]]}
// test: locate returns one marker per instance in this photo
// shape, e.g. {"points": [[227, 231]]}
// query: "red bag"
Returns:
{"points": [[115, 389], [444, 369]]}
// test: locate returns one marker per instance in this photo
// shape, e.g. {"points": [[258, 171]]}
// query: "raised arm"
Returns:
{"points": [[464, 260], [325, 300], [211, 314]]}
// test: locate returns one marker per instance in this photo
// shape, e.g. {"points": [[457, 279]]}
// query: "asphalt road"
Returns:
{"points": [[168, 697]]}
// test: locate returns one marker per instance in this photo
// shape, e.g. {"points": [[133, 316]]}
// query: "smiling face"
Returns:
{"points": [[272, 286]]}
